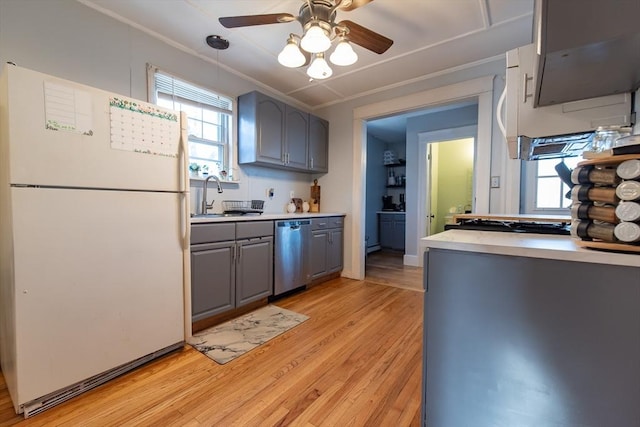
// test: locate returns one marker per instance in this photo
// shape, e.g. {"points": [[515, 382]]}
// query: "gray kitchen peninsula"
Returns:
{"points": [[529, 330]]}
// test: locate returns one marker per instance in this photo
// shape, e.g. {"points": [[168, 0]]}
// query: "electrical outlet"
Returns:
{"points": [[291, 194], [270, 193], [495, 182]]}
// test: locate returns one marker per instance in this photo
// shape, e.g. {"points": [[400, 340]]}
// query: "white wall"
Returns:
{"points": [[459, 117], [343, 151], [69, 40]]}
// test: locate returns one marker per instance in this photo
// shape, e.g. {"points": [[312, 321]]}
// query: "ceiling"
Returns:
{"points": [[430, 37]]}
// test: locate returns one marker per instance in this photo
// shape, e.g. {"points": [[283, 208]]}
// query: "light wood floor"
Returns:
{"points": [[356, 362], [386, 268]]}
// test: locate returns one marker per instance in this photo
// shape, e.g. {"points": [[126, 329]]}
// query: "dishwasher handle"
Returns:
{"points": [[293, 225]]}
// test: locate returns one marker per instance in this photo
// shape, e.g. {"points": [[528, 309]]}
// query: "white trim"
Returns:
{"points": [[358, 220], [482, 88], [413, 260], [479, 190]]}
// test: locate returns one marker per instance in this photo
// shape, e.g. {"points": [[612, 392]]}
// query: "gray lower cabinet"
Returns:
{"points": [[327, 243], [231, 265], [254, 271], [517, 341], [212, 279], [392, 231]]}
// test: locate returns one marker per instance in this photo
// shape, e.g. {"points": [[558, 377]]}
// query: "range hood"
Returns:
{"points": [[580, 75], [587, 49], [552, 131]]}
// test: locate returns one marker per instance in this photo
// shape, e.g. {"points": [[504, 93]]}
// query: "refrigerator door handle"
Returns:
{"points": [[183, 151]]}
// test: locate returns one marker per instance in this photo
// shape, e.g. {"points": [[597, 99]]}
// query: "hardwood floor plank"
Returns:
{"points": [[387, 268], [356, 361]]}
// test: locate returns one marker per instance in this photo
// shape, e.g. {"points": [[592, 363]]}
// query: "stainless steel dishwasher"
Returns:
{"points": [[291, 255]]}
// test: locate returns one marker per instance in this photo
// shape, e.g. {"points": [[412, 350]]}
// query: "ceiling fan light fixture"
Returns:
{"points": [[343, 54], [315, 39], [319, 69], [291, 56]]}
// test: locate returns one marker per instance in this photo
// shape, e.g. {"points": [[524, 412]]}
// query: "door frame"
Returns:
{"points": [[480, 88], [424, 141]]}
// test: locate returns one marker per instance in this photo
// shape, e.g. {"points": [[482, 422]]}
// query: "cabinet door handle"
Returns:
{"points": [[239, 254], [524, 86], [312, 163]]}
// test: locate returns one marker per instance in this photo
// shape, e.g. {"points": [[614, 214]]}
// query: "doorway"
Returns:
{"points": [[480, 89], [448, 167]]}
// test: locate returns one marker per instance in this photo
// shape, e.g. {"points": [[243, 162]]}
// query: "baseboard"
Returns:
{"points": [[412, 260], [373, 248]]}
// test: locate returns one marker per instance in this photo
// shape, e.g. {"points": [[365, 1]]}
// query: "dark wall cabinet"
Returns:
{"points": [[327, 243], [274, 134], [231, 265], [392, 230], [318, 144]]}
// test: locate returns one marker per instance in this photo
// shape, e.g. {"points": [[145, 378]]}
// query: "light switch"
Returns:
{"points": [[495, 182]]}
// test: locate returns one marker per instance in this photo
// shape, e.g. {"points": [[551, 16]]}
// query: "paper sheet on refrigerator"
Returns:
{"points": [[143, 128], [67, 109]]}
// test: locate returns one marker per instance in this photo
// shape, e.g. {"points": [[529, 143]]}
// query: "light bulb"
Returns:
{"points": [[319, 69], [315, 40], [343, 54], [291, 56]]}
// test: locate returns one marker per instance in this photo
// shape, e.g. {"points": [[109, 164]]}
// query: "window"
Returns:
{"points": [[542, 189], [210, 117]]}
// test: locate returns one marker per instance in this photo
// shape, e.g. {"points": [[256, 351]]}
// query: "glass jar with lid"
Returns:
{"points": [[606, 137]]}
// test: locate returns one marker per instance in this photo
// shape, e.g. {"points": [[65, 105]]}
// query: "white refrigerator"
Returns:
{"points": [[94, 236]]}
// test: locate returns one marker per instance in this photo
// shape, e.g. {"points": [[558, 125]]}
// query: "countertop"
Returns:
{"points": [[265, 217], [515, 217], [391, 212], [525, 245]]}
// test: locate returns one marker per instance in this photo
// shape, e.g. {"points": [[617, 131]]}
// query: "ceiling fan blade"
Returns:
{"points": [[249, 20], [366, 38], [347, 5]]}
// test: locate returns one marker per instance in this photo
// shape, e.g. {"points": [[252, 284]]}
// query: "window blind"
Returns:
{"points": [[188, 94]]}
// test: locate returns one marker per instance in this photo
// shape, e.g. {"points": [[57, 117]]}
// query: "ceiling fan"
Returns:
{"points": [[320, 29]]}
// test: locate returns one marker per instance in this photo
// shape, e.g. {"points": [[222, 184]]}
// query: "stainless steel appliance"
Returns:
{"points": [[566, 129], [291, 259], [539, 224]]}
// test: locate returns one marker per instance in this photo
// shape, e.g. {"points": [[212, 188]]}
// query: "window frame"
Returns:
{"points": [[529, 190], [229, 160]]}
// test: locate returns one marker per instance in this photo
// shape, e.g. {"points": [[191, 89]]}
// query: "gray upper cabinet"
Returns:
{"points": [[296, 138], [318, 144], [274, 134], [260, 130]]}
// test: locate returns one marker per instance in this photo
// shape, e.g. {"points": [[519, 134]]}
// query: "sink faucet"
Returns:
{"points": [[206, 206]]}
